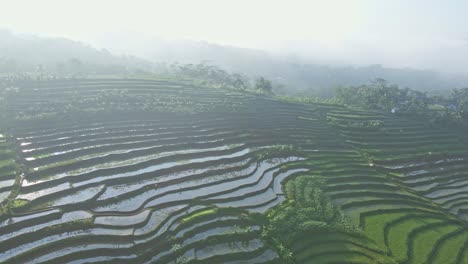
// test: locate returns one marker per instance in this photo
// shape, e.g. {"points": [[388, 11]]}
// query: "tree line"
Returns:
{"points": [[380, 95], [211, 75]]}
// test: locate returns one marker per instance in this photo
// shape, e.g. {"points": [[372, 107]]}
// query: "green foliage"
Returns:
{"points": [[177, 251], [356, 123], [18, 203], [379, 95], [264, 85], [199, 214], [382, 96], [307, 209], [241, 230], [277, 151], [459, 105], [183, 260], [72, 225], [448, 111], [176, 248], [210, 75], [310, 100]]}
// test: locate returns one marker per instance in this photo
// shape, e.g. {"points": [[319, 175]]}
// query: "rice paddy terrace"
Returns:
{"points": [[146, 171]]}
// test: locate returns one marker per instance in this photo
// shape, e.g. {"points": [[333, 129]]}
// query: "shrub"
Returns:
{"points": [[307, 209]]}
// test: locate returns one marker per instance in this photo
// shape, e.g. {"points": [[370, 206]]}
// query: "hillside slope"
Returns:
{"points": [[152, 171], [27, 53]]}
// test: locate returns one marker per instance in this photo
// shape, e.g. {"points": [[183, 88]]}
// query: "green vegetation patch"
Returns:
{"points": [[16, 203], [307, 210], [277, 151], [450, 248], [6, 163], [424, 242], [76, 224], [398, 236], [195, 215], [374, 226]]}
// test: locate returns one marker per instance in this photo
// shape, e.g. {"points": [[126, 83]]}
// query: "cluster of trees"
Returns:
{"points": [[380, 95], [307, 209], [211, 75], [264, 85], [459, 104]]}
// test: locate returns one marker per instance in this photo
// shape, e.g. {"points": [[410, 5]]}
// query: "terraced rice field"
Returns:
{"points": [[416, 222], [7, 169], [177, 174]]}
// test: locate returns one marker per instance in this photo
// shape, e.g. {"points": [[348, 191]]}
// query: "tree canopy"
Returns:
{"points": [[379, 95], [264, 85]]}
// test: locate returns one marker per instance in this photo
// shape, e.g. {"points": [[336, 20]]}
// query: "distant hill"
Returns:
{"points": [[132, 52], [20, 53], [299, 75], [157, 171]]}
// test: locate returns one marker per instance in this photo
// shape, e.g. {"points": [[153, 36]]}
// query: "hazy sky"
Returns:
{"points": [[413, 33]]}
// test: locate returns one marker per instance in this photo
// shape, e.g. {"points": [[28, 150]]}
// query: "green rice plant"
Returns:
{"points": [[374, 226], [399, 232], [450, 248], [423, 243], [201, 213]]}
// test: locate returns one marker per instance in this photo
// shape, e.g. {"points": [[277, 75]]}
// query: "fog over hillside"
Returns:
{"points": [[234, 131], [29, 53], [304, 46], [136, 52], [299, 72]]}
